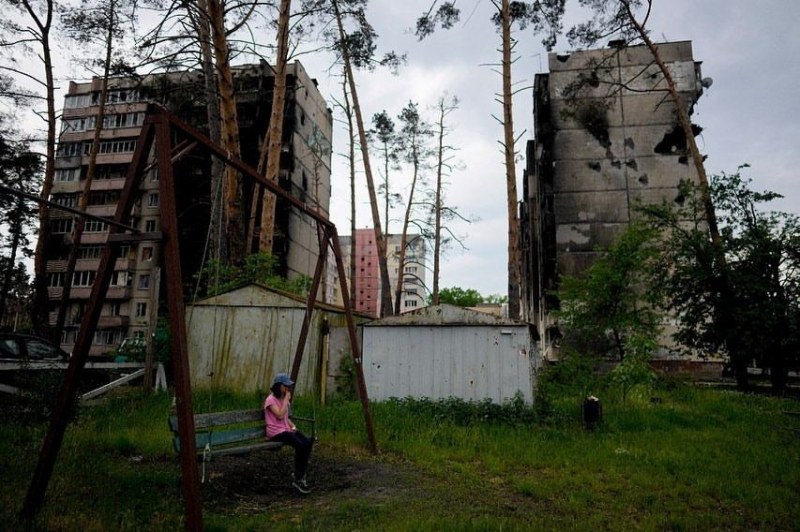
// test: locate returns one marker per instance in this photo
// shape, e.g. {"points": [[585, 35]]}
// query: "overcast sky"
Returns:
{"points": [[749, 115]]}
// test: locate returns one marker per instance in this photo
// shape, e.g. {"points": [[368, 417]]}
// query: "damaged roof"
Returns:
{"points": [[444, 315], [259, 295]]}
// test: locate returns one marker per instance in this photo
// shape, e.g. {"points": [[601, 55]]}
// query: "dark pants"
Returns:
{"points": [[302, 450]]}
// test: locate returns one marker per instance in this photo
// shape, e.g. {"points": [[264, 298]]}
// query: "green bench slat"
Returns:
{"points": [[268, 445], [223, 440], [222, 437]]}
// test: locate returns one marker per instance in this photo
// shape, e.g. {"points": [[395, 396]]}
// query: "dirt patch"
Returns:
{"points": [[254, 482]]}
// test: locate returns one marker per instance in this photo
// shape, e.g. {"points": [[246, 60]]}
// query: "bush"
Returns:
{"points": [[513, 411]]}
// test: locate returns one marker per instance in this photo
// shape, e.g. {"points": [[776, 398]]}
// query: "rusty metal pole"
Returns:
{"points": [[354, 346], [321, 220], [180, 356], [312, 296], [62, 410]]}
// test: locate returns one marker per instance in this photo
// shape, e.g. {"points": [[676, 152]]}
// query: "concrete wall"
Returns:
{"points": [[607, 140], [597, 183]]}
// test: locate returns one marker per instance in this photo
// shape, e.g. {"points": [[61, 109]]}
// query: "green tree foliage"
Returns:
{"points": [[19, 170], [413, 141], [759, 321], [608, 311], [216, 278], [384, 137], [610, 19], [468, 297], [356, 50], [460, 297], [16, 300]]}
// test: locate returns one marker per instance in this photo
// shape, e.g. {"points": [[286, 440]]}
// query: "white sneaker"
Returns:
{"points": [[301, 486]]}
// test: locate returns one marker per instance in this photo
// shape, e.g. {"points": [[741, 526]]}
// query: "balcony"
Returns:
{"points": [[108, 184], [114, 158], [53, 266], [114, 292], [94, 238], [71, 161], [80, 292], [102, 210], [119, 292], [67, 187], [87, 264], [109, 322], [54, 292], [57, 214], [103, 322]]}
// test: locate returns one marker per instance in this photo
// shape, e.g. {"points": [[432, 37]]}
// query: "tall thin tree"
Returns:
{"points": [[542, 16], [380, 239], [42, 14], [413, 138], [445, 106], [270, 152], [19, 169], [384, 135]]}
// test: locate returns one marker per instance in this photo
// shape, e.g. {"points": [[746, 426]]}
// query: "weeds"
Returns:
{"points": [[698, 459], [465, 413]]}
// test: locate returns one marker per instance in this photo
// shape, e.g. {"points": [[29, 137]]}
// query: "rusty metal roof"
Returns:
{"points": [[444, 315], [259, 295]]}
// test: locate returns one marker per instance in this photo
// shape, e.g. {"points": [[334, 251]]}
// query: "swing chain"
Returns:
{"points": [[206, 458]]}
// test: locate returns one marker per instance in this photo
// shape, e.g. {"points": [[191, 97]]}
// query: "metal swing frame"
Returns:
{"points": [[157, 130]]}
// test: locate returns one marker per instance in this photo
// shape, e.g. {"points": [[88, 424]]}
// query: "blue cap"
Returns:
{"points": [[283, 378]]}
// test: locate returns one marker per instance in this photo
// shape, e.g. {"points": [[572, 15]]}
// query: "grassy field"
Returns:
{"points": [[694, 459]]}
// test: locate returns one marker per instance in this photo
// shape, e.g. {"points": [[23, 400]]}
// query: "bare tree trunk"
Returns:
{"points": [[234, 223], [386, 296], [401, 260], [270, 154], [200, 21], [39, 315], [83, 199], [511, 173], [386, 187], [437, 207], [686, 125], [726, 293], [351, 159]]}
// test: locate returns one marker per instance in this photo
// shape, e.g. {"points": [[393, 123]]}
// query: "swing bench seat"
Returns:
{"points": [[229, 433]]}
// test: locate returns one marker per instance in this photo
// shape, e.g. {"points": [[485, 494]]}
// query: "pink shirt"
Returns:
{"points": [[275, 425]]}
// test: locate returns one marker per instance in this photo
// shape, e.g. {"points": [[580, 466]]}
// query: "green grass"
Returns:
{"points": [[700, 459]]}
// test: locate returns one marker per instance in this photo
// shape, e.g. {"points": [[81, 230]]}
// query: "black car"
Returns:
{"points": [[23, 347]]}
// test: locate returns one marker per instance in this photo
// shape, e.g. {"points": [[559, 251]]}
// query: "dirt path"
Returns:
{"points": [[255, 482]]}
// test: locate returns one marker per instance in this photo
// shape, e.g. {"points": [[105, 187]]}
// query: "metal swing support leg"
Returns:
{"points": [[156, 125], [177, 320], [328, 237], [355, 348], [312, 296]]}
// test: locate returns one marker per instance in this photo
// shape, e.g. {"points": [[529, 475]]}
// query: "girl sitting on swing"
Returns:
{"points": [[277, 408]]}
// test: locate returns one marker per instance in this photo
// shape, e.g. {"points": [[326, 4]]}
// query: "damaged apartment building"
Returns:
{"points": [[606, 138], [131, 303]]}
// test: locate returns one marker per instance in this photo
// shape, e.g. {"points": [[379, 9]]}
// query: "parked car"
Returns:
{"points": [[21, 347]]}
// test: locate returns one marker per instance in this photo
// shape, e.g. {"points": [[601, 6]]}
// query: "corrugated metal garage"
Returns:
{"points": [[242, 338], [447, 351]]}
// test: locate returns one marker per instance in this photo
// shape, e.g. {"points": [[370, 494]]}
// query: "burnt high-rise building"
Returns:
{"points": [[606, 138], [131, 303]]}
